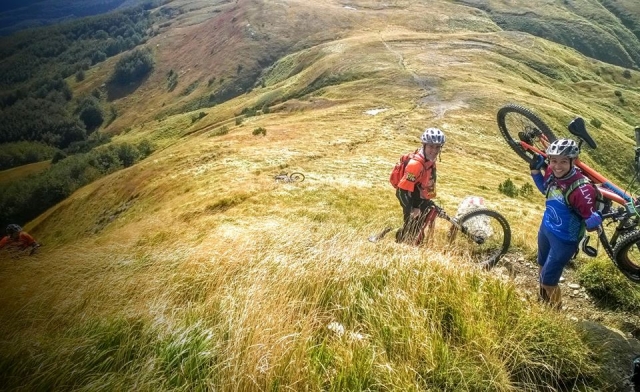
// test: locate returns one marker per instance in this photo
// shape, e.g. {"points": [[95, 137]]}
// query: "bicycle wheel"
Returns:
{"points": [[485, 236], [296, 177], [518, 124], [626, 256]]}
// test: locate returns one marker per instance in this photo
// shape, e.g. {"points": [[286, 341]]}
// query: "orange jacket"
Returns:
{"points": [[420, 173], [24, 240]]}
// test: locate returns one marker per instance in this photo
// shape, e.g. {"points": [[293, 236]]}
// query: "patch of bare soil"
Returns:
{"points": [[615, 333]]}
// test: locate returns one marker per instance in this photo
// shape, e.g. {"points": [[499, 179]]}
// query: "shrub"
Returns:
{"points": [[249, 112], [259, 131], [608, 286], [127, 154], [618, 93], [189, 89], [172, 80], [113, 114], [197, 117], [238, 120], [508, 188], [145, 148], [22, 153], [627, 74], [526, 189], [58, 156], [132, 67], [595, 122], [90, 113], [80, 75], [220, 131]]}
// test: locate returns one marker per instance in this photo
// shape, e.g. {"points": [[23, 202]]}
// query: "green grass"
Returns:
{"points": [[15, 174], [608, 286], [214, 277], [381, 325]]}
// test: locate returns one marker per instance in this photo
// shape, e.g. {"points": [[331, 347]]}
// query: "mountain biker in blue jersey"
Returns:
{"points": [[566, 215]]}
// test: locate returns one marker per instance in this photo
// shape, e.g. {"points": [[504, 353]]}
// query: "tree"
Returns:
{"points": [[80, 75], [90, 112], [132, 67]]}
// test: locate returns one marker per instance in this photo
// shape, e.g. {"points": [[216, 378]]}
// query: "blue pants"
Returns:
{"points": [[553, 255]]}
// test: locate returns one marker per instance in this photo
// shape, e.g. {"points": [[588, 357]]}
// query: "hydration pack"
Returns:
{"points": [[398, 170], [601, 204]]}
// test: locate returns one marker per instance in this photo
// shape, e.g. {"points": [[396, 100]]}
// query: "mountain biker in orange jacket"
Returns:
{"points": [[18, 238], [566, 215], [418, 186]]}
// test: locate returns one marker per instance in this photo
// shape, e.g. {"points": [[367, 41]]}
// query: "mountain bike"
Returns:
{"points": [[18, 252], [485, 234], [293, 177], [528, 135]]}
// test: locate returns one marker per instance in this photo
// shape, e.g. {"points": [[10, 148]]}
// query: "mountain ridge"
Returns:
{"points": [[193, 269]]}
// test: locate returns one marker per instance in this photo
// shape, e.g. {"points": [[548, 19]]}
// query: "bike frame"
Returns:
{"points": [[434, 212]]}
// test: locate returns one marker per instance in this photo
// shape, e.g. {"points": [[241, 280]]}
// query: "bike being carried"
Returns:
{"points": [[530, 137]]}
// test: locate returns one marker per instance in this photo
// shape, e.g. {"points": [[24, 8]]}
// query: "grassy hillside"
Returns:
{"points": [[194, 270], [20, 172], [603, 29]]}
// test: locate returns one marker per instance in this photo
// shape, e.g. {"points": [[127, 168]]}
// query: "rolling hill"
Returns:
{"points": [[194, 270]]}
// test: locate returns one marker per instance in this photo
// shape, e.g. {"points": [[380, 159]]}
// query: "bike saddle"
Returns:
{"points": [[578, 128]]}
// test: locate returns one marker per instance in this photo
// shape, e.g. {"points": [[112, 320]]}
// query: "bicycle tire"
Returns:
{"points": [[296, 177], [515, 121], [494, 227], [626, 258]]}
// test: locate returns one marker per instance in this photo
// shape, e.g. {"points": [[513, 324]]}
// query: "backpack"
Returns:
{"points": [[398, 170], [601, 204]]}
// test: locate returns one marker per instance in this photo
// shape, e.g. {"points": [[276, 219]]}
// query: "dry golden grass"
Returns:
{"points": [[194, 270]]}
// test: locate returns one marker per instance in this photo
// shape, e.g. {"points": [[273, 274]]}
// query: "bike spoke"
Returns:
{"points": [[484, 236], [524, 131]]}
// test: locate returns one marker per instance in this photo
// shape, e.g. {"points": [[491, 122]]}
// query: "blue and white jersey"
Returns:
{"points": [[559, 217]]}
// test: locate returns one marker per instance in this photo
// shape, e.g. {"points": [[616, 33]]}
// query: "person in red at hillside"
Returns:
{"points": [[418, 186], [16, 237]]}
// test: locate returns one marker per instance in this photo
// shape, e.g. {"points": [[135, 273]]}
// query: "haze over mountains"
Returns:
{"points": [[17, 15]]}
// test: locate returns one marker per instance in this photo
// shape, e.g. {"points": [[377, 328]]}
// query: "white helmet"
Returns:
{"points": [[564, 147], [433, 136]]}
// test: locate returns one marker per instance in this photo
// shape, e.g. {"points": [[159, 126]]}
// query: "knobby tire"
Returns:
{"points": [[296, 177], [494, 257], [513, 119], [628, 263]]}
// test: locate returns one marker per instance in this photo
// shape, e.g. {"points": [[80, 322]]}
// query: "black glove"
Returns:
{"points": [[538, 162]]}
